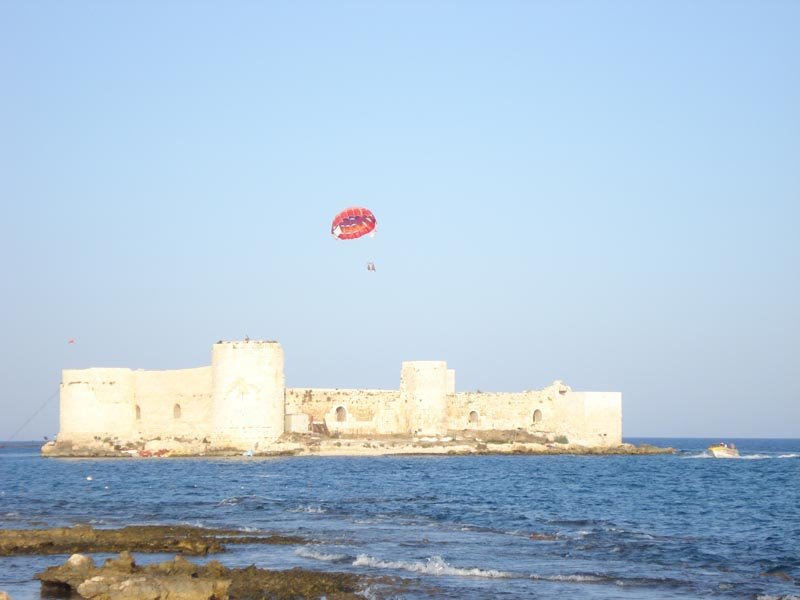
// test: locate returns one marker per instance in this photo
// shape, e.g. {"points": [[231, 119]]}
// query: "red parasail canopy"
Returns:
{"points": [[353, 223]]}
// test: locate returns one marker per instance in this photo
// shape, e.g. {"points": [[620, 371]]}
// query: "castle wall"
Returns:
{"points": [[497, 410], [592, 418], [586, 418], [96, 403], [173, 403], [363, 412]]}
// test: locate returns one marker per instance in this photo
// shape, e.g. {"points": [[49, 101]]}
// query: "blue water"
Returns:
{"points": [[627, 527]]}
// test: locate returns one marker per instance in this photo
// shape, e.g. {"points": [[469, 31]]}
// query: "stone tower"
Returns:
{"points": [[247, 396], [423, 395]]}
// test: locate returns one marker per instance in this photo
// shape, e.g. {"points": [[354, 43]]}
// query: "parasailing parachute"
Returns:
{"points": [[352, 223]]}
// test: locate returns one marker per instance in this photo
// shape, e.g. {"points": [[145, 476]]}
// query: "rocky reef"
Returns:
{"points": [[122, 579], [142, 538], [177, 579]]}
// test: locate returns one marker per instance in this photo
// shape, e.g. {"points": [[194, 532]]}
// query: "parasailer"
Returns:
{"points": [[353, 222]]}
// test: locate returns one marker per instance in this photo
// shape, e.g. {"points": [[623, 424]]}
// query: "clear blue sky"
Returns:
{"points": [[606, 193]]}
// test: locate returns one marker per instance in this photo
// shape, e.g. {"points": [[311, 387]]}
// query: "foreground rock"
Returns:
{"points": [[150, 538], [179, 579]]}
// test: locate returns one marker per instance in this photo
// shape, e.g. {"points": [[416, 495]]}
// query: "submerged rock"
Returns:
{"points": [[142, 538]]}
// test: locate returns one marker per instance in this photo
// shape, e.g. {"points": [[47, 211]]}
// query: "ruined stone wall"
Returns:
{"points": [[497, 410], [347, 411], [173, 403], [586, 418]]}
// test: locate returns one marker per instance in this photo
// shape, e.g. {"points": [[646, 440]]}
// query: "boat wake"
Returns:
{"points": [[756, 456]]}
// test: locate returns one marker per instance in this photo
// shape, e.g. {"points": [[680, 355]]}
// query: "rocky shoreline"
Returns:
{"points": [[122, 579], [193, 541], [454, 444]]}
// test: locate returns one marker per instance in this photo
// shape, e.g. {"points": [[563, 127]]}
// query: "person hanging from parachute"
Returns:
{"points": [[353, 223]]}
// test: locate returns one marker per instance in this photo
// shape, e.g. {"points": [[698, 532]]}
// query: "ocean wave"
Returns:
{"points": [[611, 579], [234, 500], [769, 597], [307, 509], [323, 556], [435, 565], [574, 578]]}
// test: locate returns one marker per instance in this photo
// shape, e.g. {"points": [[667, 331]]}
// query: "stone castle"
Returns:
{"points": [[241, 403]]}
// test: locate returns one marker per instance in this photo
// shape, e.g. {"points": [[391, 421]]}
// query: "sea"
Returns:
{"points": [[684, 525]]}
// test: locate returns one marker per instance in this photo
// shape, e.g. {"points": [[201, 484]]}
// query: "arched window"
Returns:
{"points": [[341, 414], [537, 415], [138, 413], [473, 416], [176, 411]]}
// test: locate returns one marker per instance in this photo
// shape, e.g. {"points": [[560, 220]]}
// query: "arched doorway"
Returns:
{"points": [[176, 411], [474, 417], [341, 414], [537, 415]]}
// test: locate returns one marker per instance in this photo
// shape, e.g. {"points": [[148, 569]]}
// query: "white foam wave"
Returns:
{"points": [[769, 597], [234, 500], [199, 524], [435, 565], [308, 509], [576, 578], [229, 501], [792, 455], [323, 556]]}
